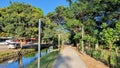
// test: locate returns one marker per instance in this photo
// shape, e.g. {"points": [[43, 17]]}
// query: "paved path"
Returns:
{"points": [[69, 59]]}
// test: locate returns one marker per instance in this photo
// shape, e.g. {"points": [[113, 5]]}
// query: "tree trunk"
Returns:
{"points": [[117, 56], [89, 47], [59, 42], [78, 46], [97, 45], [74, 43], [89, 44], [109, 56], [21, 43], [82, 40], [62, 43]]}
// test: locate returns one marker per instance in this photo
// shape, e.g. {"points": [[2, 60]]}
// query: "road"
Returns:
{"points": [[3, 48], [69, 59]]}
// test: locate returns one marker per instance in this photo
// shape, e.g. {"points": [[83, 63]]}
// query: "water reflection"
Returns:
{"points": [[21, 62]]}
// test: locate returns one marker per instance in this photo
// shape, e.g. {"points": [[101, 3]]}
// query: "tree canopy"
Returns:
{"points": [[89, 15], [20, 20], [82, 20]]}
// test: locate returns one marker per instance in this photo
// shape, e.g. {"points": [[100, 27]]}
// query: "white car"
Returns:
{"points": [[9, 41], [3, 43], [13, 45]]}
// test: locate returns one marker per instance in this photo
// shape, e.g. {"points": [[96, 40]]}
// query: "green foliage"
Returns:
{"points": [[73, 24], [97, 54], [108, 36], [82, 13], [49, 32], [89, 51], [118, 27], [18, 21], [30, 55], [89, 38], [102, 55], [104, 25]]}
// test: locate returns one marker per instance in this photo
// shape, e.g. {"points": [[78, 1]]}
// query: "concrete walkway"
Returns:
{"points": [[69, 59]]}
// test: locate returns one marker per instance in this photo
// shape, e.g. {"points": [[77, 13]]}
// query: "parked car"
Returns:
{"points": [[3, 43], [13, 45], [9, 41]]}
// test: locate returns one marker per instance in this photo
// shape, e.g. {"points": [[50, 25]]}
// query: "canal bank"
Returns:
{"points": [[12, 53], [23, 60], [46, 61], [6, 55]]}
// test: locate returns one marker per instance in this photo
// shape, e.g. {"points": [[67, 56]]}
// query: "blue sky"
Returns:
{"points": [[45, 5]]}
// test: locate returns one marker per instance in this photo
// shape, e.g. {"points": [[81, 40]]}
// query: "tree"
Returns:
{"points": [[49, 31], [109, 37], [17, 21], [70, 2]]}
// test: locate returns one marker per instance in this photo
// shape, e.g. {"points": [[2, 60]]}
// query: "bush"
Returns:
{"points": [[102, 55], [89, 51], [98, 54]]}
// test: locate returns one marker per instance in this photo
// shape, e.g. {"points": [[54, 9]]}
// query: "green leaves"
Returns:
{"points": [[108, 36], [49, 31], [73, 24], [20, 19], [77, 35], [89, 38], [104, 25]]}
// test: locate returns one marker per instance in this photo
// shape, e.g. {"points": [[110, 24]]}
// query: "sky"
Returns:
{"points": [[46, 5]]}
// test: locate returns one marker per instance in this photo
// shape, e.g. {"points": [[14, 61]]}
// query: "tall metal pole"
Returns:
{"points": [[39, 43]]}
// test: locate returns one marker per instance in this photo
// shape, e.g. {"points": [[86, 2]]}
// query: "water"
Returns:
{"points": [[21, 62]]}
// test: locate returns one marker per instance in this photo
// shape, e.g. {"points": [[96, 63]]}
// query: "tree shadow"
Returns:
{"points": [[61, 62]]}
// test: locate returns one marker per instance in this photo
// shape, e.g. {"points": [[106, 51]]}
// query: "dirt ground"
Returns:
{"points": [[90, 62], [69, 58], [3, 48]]}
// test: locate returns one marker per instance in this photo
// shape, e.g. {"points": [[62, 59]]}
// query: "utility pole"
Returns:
{"points": [[39, 52]]}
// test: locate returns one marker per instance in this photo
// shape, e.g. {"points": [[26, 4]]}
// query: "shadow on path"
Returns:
{"points": [[62, 62]]}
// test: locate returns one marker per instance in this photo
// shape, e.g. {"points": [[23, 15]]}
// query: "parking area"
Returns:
{"points": [[3, 48]]}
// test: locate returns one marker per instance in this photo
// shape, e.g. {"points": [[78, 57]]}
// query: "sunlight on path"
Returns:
{"points": [[69, 59]]}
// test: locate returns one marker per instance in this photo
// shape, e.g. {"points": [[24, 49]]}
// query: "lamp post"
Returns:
{"points": [[39, 43]]}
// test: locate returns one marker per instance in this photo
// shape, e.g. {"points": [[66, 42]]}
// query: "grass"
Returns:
{"points": [[44, 50], [45, 61], [102, 55], [12, 53]]}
